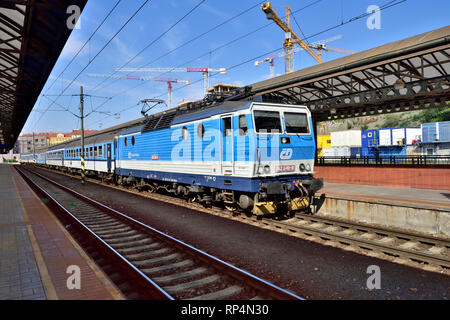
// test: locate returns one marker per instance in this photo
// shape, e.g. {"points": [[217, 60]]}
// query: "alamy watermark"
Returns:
{"points": [[74, 280], [374, 20], [374, 280], [73, 21]]}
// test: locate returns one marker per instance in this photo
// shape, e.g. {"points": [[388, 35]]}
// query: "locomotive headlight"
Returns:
{"points": [[308, 167], [302, 167], [266, 169]]}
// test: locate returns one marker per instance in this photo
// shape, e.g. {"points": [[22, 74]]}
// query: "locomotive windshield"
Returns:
{"points": [[296, 122], [267, 121]]}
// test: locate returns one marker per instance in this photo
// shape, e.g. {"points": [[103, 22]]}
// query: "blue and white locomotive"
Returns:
{"points": [[249, 155]]}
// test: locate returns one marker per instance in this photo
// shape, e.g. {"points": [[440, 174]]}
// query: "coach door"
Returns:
{"points": [[108, 156], [227, 154]]}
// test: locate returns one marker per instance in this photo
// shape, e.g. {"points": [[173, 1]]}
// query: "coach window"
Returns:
{"points": [[100, 151], [184, 133], [132, 140], [125, 141], [91, 152], [243, 129], [95, 152], [200, 131]]}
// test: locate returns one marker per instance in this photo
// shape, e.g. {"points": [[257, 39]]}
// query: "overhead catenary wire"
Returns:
{"points": [[215, 49], [355, 18], [192, 39], [84, 44], [350, 20], [155, 40], [97, 54]]}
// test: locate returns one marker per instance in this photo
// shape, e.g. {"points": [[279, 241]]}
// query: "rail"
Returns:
{"points": [[162, 266]]}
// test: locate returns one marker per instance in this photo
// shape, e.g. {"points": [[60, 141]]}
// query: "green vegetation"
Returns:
{"points": [[428, 115], [433, 115]]}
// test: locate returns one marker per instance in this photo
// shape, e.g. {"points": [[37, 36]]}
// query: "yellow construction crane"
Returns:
{"points": [[290, 39]]}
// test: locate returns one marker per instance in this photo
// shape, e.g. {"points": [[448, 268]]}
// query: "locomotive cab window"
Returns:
{"points": [[296, 122], [125, 141], [267, 121], [243, 128], [133, 140]]}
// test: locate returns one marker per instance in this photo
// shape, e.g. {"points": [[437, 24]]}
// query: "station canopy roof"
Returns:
{"points": [[408, 74], [32, 36]]}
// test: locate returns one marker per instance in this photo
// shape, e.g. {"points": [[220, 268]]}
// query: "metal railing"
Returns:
{"points": [[415, 160]]}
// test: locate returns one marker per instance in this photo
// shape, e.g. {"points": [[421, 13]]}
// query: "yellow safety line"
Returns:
{"points": [[49, 288]]}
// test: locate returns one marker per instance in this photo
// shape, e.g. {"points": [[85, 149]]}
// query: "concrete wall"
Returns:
{"points": [[421, 219], [422, 178]]}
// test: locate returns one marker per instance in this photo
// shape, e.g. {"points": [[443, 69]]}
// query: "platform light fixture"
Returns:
{"points": [[399, 84]]}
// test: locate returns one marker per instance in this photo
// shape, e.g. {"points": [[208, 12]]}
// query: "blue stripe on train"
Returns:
{"points": [[220, 182]]}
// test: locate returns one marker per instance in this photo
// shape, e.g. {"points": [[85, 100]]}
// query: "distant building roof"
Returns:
{"points": [[220, 87]]}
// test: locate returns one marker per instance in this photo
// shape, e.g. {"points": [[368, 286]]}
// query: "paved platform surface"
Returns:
{"points": [[401, 196], [36, 250]]}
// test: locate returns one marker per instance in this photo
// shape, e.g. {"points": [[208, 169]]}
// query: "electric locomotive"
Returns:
{"points": [[247, 154]]}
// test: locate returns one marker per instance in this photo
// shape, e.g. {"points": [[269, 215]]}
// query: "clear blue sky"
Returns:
{"points": [[401, 21]]}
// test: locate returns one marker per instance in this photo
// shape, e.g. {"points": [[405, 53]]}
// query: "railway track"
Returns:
{"points": [[158, 265], [418, 250]]}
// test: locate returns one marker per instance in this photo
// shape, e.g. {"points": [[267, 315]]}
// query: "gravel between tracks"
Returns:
{"points": [[308, 269]]}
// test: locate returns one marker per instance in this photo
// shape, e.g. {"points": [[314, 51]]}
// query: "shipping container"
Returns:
{"points": [[369, 138], [413, 134], [398, 136], [436, 149], [385, 137], [330, 152], [392, 151], [323, 142], [429, 132], [348, 138], [336, 139], [341, 151], [355, 152], [371, 152], [444, 131]]}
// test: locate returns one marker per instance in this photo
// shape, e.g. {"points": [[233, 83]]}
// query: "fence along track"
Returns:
{"points": [[169, 268]]}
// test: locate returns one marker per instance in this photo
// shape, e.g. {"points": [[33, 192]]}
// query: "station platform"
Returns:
{"points": [[420, 210], [36, 250], [424, 198]]}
